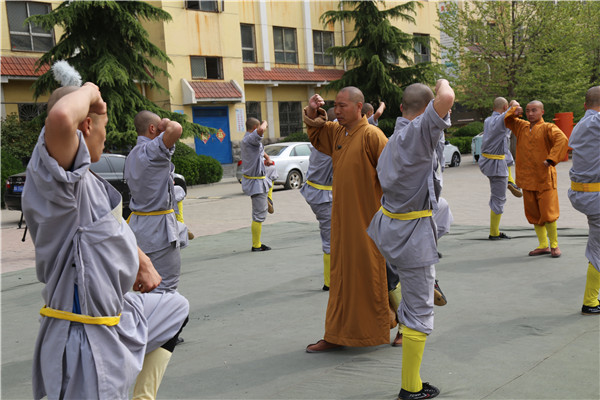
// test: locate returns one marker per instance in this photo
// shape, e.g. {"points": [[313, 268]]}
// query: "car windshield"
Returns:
{"points": [[275, 150]]}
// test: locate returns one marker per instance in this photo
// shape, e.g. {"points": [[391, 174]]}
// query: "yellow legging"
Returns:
{"points": [[510, 177], [270, 194], [413, 346], [552, 234], [495, 223], [256, 229], [592, 287], [149, 378], [326, 269], [540, 231]]}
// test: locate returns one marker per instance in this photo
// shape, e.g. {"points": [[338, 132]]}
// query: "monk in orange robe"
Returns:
{"points": [[357, 311], [540, 146]]}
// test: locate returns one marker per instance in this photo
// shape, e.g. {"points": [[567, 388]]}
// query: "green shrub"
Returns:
{"points": [[19, 138], [463, 144], [10, 166], [470, 130], [196, 169], [387, 125], [296, 137]]}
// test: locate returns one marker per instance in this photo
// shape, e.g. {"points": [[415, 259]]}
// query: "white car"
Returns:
{"points": [[291, 163], [451, 155]]}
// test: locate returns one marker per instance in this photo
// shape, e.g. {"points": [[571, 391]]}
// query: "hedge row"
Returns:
{"points": [[196, 168], [463, 144]]}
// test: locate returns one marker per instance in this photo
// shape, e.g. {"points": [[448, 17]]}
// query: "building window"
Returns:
{"points": [[290, 117], [422, 48], [206, 67], [322, 40], [248, 44], [203, 5], [28, 37], [253, 110], [28, 111], [285, 45]]}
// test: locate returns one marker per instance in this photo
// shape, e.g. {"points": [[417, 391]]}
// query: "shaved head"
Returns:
{"points": [[415, 99], [536, 103], [500, 104], [592, 97], [354, 94], [367, 108], [251, 124], [331, 114], [143, 120], [59, 94]]}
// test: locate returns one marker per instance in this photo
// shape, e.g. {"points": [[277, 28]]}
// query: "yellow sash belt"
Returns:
{"points": [[254, 177], [84, 319], [317, 186], [585, 187], [494, 156], [407, 216], [161, 212]]}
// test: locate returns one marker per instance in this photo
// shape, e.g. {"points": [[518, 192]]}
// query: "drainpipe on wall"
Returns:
{"points": [[343, 35]]}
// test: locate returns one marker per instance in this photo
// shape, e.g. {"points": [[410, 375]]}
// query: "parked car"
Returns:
{"points": [[291, 163], [451, 155], [109, 167]]}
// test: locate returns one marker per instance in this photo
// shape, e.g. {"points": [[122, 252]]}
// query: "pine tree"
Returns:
{"points": [[107, 44], [375, 51]]}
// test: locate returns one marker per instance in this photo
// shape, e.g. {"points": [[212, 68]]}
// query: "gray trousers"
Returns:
{"points": [[167, 263], [498, 197], [259, 207], [323, 213], [416, 307], [592, 250]]}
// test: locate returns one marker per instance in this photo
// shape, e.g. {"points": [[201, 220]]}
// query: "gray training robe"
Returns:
{"points": [[81, 239], [585, 142]]}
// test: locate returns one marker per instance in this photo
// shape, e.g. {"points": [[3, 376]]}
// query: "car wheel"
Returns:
{"points": [[294, 180], [455, 160], [476, 157]]}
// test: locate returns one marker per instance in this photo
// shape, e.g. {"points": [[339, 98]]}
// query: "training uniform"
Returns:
{"points": [[87, 257], [493, 162], [255, 183], [318, 194], [149, 175], [357, 311], [585, 192]]}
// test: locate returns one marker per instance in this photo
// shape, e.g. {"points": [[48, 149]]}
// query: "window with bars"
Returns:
{"points": [[248, 43], [203, 5], [284, 40], [206, 67], [422, 48], [28, 111], [28, 36], [322, 40], [253, 110], [290, 117]]}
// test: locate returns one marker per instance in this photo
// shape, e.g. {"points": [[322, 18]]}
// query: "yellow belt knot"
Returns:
{"points": [[84, 319], [494, 156], [317, 186], [407, 216]]}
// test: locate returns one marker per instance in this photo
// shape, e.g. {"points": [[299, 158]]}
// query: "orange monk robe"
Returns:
{"points": [[535, 144], [357, 311]]}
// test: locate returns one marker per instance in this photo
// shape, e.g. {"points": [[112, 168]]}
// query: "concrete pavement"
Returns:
{"points": [[511, 330]]}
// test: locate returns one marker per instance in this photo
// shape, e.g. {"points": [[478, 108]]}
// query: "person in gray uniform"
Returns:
{"points": [[255, 182], [371, 114], [403, 229], [584, 193], [94, 333], [317, 193], [493, 162]]}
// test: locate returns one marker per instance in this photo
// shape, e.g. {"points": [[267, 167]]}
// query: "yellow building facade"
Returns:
{"points": [[231, 59]]}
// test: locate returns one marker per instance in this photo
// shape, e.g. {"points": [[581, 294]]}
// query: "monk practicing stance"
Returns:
{"points": [[585, 191], [403, 228], [540, 146]]}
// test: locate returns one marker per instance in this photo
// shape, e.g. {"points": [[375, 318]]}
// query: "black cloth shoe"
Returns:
{"points": [[326, 288], [428, 392], [263, 247], [502, 235], [590, 310], [439, 254], [179, 340]]}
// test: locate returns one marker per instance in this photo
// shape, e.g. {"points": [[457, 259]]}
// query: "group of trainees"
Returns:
{"points": [[112, 284]]}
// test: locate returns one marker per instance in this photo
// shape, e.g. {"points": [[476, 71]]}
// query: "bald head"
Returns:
{"points": [[500, 104], [592, 98], [415, 99], [59, 94], [331, 114], [367, 109], [252, 124], [143, 120], [536, 103], [354, 94]]}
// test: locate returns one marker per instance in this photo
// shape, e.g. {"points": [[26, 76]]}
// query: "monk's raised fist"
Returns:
{"points": [[316, 101]]}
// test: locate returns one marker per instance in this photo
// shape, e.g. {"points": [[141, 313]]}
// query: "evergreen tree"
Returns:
{"points": [[107, 44], [375, 51]]}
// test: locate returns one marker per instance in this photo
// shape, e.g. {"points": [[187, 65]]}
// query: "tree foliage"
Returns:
{"points": [[107, 44], [373, 51], [524, 50]]}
